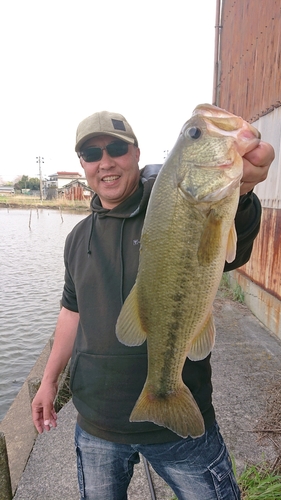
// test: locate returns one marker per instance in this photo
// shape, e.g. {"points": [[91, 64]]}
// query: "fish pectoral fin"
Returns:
{"points": [[231, 244], [129, 330], [175, 410], [204, 341], [210, 240]]}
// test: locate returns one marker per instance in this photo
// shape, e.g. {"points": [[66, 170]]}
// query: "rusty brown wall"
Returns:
{"points": [[248, 73], [248, 82], [264, 266]]}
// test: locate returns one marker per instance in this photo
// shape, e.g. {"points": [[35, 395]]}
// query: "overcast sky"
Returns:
{"points": [[62, 60]]}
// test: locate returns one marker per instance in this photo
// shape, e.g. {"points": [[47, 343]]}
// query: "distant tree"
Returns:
{"points": [[34, 184], [27, 183], [22, 183]]}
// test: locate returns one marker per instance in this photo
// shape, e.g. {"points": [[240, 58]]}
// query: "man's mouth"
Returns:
{"points": [[110, 178]]}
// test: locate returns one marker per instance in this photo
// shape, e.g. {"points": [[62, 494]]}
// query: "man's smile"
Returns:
{"points": [[111, 178]]}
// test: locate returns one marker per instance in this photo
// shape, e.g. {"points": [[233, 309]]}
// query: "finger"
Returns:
{"points": [[37, 417], [262, 155], [50, 419], [256, 164], [252, 176]]}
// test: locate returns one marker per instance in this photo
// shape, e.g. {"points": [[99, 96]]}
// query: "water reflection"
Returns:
{"points": [[31, 273]]}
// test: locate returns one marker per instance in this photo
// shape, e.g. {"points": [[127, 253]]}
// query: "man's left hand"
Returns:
{"points": [[256, 166]]}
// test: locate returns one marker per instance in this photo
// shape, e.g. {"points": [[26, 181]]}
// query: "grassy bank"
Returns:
{"points": [[22, 201]]}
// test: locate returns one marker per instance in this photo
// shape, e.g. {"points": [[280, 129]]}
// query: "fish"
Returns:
{"points": [[188, 234]]}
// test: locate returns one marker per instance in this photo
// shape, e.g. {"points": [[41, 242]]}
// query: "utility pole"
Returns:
{"points": [[39, 160]]}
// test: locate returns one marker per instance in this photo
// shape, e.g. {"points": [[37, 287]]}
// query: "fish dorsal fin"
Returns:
{"points": [[204, 342], [209, 244], [231, 244], [129, 330]]}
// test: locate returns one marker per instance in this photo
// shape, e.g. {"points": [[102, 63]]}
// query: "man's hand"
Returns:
{"points": [[256, 166], [43, 412]]}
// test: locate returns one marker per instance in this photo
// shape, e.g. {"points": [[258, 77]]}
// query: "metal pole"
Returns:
{"points": [[39, 160], [149, 479]]}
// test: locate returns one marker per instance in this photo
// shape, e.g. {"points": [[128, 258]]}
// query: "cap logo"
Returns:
{"points": [[118, 125]]}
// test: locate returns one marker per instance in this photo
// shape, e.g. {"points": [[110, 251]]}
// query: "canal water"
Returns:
{"points": [[31, 281]]}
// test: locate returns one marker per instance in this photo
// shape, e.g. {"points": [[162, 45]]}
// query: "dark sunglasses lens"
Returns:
{"points": [[117, 149], [114, 150], [91, 154]]}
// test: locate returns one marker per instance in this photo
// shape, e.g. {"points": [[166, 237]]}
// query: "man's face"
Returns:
{"points": [[113, 179]]}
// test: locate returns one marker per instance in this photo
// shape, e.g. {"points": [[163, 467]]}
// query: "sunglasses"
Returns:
{"points": [[93, 153]]}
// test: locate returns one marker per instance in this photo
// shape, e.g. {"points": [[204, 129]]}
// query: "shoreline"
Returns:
{"points": [[23, 203]]}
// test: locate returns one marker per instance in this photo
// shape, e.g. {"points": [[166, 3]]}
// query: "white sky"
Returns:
{"points": [[62, 60]]}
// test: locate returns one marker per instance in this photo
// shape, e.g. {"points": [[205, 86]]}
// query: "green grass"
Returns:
{"points": [[259, 482], [226, 290], [238, 294]]}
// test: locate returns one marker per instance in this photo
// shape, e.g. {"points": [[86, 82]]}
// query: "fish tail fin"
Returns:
{"points": [[176, 410]]}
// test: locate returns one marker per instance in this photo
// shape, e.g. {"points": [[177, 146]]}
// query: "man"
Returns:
{"points": [[101, 262]]}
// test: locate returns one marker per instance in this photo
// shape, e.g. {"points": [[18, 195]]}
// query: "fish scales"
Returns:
{"points": [[188, 233]]}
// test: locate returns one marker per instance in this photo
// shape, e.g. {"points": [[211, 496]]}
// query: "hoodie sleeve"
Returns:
{"points": [[247, 223], [69, 300]]}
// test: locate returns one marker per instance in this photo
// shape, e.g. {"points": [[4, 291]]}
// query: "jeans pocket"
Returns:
{"points": [[223, 477], [80, 473]]}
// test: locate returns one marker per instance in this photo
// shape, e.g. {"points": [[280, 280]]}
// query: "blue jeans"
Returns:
{"points": [[195, 469]]}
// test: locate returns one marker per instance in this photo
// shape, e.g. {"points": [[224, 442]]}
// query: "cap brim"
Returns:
{"points": [[86, 138]]}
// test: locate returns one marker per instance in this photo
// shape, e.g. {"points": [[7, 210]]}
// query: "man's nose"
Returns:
{"points": [[106, 160]]}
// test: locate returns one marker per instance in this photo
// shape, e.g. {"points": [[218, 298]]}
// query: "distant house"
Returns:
{"points": [[59, 179], [75, 190], [6, 190]]}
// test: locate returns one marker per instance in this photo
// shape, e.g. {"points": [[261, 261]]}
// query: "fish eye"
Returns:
{"points": [[194, 132]]}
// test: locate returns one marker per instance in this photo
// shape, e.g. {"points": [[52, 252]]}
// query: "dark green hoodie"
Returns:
{"points": [[101, 263]]}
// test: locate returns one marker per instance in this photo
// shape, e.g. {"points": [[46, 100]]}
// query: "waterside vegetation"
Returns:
{"points": [[227, 291], [30, 202]]}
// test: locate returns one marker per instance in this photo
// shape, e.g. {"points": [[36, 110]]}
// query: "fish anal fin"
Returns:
{"points": [[176, 410], [210, 241], [129, 330], [204, 342], [231, 244]]}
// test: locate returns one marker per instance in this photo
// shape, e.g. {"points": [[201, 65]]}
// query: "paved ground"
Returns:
{"points": [[246, 364]]}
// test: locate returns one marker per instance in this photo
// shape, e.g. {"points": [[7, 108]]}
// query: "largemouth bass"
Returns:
{"points": [[187, 236]]}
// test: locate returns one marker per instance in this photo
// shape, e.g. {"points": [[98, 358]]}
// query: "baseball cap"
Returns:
{"points": [[104, 122]]}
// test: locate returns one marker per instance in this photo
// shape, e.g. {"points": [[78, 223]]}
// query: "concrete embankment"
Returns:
{"points": [[17, 425]]}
